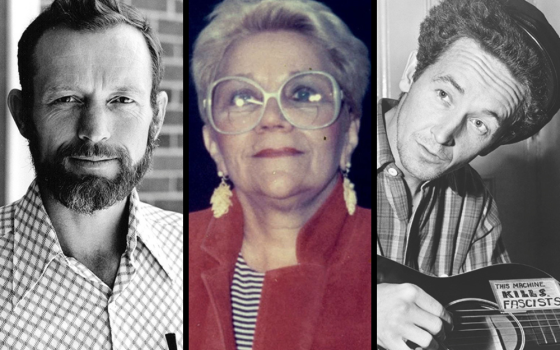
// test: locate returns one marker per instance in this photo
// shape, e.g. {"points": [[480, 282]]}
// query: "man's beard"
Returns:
{"points": [[86, 194]]}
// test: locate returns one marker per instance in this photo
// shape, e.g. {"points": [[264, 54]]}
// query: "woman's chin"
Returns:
{"points": [[281, 186]]}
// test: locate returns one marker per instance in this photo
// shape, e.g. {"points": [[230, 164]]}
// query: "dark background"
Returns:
{"points": [[202, 170]]}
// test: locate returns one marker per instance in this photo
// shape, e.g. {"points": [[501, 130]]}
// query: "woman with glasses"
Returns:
{"points": [[284, 260]]}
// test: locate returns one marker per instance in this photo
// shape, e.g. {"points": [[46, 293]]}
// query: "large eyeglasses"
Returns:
{"points": [[309, 100]]}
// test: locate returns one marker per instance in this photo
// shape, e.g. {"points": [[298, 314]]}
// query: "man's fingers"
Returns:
{"points": [[411, 337], [411, 318], [429, 323], [418, 337], [448, 318], [431, 305]]}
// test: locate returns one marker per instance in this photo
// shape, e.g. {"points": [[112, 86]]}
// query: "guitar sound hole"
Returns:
{"points": [[479, 324]]}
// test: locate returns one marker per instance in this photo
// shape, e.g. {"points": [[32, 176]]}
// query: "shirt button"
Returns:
{"points": [[393, 172]]}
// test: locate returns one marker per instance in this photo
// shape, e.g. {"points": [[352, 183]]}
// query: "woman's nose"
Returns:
{"points": [[273, 118]]}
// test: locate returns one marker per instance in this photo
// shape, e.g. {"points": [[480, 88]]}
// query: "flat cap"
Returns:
{"points": [[547, 42]]}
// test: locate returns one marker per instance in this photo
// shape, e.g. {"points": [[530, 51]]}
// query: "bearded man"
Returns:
{"points": [[84, 263]]}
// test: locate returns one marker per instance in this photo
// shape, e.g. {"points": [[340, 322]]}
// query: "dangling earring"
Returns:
{"points": [[350, 196], [221, 198]]}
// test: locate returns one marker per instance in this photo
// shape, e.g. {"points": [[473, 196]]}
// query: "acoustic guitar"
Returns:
{"points": [[479, 322]]}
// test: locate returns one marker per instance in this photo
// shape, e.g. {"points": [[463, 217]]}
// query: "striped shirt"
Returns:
{"points": [[455, 227], [245, 298]]}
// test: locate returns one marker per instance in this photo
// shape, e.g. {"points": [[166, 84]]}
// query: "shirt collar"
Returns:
{"points": [[139, 226], [36, 244], [384, 154]]}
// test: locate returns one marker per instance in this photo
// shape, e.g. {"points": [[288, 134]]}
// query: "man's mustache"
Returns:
{"points": [[87, 149]]}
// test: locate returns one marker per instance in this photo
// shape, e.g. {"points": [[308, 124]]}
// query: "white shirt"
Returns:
{"points": [[51, 301]]}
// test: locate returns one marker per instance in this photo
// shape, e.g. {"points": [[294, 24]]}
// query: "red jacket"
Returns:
{"points": [[323, 303]]}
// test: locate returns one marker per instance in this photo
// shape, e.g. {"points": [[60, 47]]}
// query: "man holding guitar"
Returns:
{"points": [[486, 74]]}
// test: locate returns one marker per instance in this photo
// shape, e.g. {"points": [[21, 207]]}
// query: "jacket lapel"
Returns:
{"points": [[292, 297], [291, 303], [217, 282], [222, 245]]}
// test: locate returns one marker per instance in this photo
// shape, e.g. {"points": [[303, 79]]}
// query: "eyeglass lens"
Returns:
{"points": [[307, 101]]}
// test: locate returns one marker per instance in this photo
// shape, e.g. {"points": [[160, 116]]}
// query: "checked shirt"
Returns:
{"points": [[455, 227], [50, 301]]}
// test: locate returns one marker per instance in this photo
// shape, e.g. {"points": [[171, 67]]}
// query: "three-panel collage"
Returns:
{"points": [[279, 123]]}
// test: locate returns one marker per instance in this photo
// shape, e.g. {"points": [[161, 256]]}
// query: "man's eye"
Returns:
{"points": [[442, 94], [480, 126], [66, 99], [122, 99]]}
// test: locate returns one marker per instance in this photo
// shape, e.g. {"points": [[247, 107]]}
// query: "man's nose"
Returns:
{"points": [[94, 124], [273, 117], [447, 129]]}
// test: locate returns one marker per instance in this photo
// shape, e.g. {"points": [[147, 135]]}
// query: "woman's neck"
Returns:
{"points": [[272, 226]]}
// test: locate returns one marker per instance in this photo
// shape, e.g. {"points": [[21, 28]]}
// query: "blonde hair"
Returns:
{"points": [[235, 19]]}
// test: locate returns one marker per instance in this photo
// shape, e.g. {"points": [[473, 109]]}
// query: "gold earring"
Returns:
{"points": [[350, 196], [221, 198]]}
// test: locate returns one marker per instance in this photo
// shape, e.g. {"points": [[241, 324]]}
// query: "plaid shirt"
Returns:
{"points": [[51, 301], [455, 227]]}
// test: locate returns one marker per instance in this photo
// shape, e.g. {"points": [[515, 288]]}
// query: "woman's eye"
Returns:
{"points": [[242, 100], [306, 95]]}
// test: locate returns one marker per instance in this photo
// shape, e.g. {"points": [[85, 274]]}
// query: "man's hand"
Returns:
{"points": [[406, 313]]}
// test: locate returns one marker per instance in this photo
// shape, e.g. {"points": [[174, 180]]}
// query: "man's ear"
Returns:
{"points": [[212, 147], [161, 101], [409, 70], [15, 104]]}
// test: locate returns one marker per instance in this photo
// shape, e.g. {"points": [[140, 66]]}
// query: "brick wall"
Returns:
{"points": [[163, 185]]}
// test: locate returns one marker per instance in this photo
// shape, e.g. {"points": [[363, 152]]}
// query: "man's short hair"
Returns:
{"points": [[84, 15], [497, 33]]}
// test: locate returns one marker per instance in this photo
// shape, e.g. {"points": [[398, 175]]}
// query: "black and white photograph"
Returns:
{"points": [[468, 174], [91, 174]]}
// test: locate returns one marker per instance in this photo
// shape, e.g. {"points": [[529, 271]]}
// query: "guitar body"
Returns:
{"points": [[479, 324]]}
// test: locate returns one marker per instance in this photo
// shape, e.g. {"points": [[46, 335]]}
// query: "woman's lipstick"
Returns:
{"points": [[278, 153]]}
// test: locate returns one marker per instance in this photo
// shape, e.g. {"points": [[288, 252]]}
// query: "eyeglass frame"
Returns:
{"points": [[338, 95]]}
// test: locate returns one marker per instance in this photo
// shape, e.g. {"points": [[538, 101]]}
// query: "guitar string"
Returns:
{"points": [[471, 333], [548, 327], [498, 312], [485, 342], [468, 339], [541, 317], [485, 329], [525, 318], [551, 327], [458, 341], [548, 311], [469, 345], [556, 321]]}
